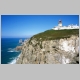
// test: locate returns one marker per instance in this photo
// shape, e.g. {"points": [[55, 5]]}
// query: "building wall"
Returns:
{"points": [[60, 25], [69, 27]]}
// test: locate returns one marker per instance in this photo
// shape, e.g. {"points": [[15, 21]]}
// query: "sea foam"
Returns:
{"points": [[15, 59], [12, 50]]}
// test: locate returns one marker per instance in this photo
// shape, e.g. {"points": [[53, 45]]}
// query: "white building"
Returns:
{"points": [[60, 27]]}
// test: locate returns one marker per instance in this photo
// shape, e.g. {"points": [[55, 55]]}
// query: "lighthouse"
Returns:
{"points": [[61, 27], [60, 23]]}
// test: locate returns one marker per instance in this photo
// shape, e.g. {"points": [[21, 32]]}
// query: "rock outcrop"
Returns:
{"points": [[18, 48], [61, 51], [20, 41]]}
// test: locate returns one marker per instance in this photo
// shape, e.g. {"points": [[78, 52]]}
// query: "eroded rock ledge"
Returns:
{"points": [[61, 51]]}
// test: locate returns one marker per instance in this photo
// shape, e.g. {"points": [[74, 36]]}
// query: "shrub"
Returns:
{"points": [[56, 34]]}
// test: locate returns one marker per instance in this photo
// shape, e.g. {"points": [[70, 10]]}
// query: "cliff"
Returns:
{"points": [[51, 47]]}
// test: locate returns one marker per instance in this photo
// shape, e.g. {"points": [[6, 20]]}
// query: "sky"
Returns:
{"points": [[23, 26]]}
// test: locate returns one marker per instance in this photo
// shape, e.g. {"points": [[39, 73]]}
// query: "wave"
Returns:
{"points": [[9, 48], [12, 50], [14, 60]]}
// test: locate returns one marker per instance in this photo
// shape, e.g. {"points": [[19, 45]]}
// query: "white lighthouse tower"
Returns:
{"points": [[60, 23]]}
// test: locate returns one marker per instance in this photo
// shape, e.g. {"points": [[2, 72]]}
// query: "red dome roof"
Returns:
{"points": [[60, 21]]}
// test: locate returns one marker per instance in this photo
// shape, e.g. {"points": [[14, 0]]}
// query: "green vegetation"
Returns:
{"points": [[56, 34], [30, 40]]}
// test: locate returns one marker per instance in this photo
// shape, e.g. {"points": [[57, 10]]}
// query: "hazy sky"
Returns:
{"points": [[28, 25]]}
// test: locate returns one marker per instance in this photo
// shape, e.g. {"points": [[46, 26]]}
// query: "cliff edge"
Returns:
{"points": [[51, 47]]}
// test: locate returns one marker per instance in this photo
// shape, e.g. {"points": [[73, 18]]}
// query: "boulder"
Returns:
{"points": [[19, 48]]}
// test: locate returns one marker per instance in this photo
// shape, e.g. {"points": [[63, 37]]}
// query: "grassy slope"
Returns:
{"points": [[56, 34]]}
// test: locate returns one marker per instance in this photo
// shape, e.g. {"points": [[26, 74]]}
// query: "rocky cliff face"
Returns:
{"points": [[61, 51]]}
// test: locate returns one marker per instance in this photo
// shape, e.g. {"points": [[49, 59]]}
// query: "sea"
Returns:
{"points": [[8, 53]]}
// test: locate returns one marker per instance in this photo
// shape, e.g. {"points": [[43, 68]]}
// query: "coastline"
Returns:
{"points": [[15, 60]]}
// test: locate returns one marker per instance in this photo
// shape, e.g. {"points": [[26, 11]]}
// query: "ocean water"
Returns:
{"points": [[8, 54]]}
